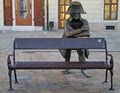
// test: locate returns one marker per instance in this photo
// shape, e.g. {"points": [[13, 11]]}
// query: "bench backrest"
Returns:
{"points": [[59, 43]]}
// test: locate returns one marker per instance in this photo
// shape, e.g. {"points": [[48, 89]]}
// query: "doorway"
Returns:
{"points": [[23, 12]]}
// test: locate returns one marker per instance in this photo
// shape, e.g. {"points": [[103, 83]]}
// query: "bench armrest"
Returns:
{"points": [[111, 61], [9, 60]]}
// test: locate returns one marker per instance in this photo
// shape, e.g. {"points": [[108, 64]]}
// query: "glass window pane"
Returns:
{"points": [[113, 15], [62, 16], [67, 1], [107, 1], [62, 24], [61, 1], [66, 8], [107, 16], [107, 8], [114, 1], [114, 9], [67, 16], [30, 8], [61, 8], [7, 3], [23, 8], [107, 12]]}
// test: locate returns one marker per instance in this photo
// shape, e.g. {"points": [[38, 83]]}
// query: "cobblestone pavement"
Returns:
{"points": [[54, 81]]}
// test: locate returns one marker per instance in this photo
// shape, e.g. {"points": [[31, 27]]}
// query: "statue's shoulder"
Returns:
{"points": [[84, 20], [67, 21]]}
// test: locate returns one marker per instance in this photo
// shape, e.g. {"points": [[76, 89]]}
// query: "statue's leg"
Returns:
{"points": [[81, 56], [67, 59]]}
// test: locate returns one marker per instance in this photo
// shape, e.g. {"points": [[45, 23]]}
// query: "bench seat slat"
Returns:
{"points": [[60, 65]]}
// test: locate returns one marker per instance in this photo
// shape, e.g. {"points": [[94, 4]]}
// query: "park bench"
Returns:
{"points": [[59, 43]]}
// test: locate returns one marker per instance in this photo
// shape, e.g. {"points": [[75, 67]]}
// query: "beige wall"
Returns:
{"points": [[94, 9], [53, 13], [1, 14], [101, 27]]}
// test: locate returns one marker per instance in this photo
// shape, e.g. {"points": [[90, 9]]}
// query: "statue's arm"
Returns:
{"points": [[85, 30], [69, 31]]}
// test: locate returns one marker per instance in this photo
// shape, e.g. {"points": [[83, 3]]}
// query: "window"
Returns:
{"points": [[110, 9], [63, 6], [7, 3]]}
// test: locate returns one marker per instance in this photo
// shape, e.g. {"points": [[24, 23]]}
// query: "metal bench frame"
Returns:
{"points": [[59, 43]]}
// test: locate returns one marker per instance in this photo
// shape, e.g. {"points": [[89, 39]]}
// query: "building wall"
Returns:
{"points": [[94, 9], [95, 12], [1, 15], [53, 13]]}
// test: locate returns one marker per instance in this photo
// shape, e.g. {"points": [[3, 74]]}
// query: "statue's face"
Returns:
{"points": [[75, 16]]}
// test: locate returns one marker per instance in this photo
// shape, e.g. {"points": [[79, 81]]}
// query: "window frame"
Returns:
{"points": [[110, 10]]}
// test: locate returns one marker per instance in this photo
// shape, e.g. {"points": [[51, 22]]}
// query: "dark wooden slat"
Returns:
{"points": [[59, 43], [60, 65]]}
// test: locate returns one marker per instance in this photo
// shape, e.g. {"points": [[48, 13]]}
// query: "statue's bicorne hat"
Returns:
{"points": [[75, 7]]}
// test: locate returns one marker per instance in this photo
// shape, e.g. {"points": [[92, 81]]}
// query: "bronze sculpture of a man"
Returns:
{"points": [[75, 27]]}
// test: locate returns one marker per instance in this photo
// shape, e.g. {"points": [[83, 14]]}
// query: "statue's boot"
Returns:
{"points": [[67, 71], [84, 72]]}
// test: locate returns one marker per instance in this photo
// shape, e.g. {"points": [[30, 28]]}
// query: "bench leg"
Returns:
{"points": [[10, 80], [111, 77], [15, 75], [106, 75]]}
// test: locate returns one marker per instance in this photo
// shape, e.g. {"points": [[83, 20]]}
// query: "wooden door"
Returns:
{"points": [[23, 12], [38, 12], [8, 20]]}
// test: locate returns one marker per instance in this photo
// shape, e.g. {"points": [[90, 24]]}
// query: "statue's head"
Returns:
{"points": [[75, 9]]}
